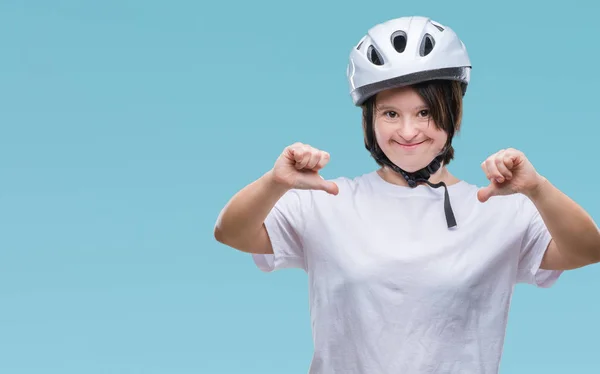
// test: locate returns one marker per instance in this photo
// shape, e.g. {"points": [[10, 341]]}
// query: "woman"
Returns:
{"points": [[411, 270]]}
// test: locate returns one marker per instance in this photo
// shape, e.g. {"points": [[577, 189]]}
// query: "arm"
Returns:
{"points": [[241, 222], [575, 237]]}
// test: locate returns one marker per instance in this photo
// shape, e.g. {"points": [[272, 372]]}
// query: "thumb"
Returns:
{"points": [[329, 187], [485, 193]]}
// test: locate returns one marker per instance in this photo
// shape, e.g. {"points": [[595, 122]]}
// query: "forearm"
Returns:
{"points": [[243, 216], [572, 228]]}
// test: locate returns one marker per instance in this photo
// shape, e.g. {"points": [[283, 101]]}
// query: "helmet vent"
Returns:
{"points": [[360, 43], [427, 45], [439, 27], [374, 56], [399, 41]]}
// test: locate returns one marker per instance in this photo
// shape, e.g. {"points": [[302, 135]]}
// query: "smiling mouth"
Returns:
{"points": [[411, 145]]}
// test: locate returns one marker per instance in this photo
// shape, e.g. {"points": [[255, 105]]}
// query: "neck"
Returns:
{"points": [[442, 175]]}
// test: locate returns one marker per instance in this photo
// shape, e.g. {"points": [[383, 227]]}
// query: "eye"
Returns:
{"points": [[390, 114], [424, 113]]}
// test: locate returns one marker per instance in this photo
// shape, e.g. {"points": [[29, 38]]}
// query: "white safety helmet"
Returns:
{"points": [[405, 51]]}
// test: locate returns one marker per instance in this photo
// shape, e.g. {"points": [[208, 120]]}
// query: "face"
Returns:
{"points": [[404, 129]]}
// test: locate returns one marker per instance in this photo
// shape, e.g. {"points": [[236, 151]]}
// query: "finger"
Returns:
{"points": [[329, 187], [485, 169], [485, 193], [315, 157], [493, 172], [313, 181], [502, 164], [511, 158], [490, 170], [323, 160], [295, 147], [297, 151], [306, 154]]}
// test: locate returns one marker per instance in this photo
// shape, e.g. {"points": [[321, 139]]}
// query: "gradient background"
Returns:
{"points": [[126, 126]]}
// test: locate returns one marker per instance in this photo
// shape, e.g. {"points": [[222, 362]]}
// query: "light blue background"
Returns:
{"points": [[126, 126]]}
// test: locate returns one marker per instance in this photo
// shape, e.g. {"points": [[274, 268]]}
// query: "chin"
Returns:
{"points": [[411, 167]]}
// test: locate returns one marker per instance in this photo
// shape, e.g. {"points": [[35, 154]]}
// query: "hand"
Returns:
{"points": [[509, 172], [298, 167]]}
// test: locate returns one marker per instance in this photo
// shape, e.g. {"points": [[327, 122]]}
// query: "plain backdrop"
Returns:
{"points": [[125, 126]]}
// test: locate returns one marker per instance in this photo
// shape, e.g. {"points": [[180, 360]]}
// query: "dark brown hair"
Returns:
{"points": [[444, 99]]}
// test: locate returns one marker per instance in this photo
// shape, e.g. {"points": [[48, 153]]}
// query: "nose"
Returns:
{"points": [[408, 130]]}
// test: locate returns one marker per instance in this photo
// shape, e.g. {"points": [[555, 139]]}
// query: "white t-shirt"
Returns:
{"points": [[392, 289]]}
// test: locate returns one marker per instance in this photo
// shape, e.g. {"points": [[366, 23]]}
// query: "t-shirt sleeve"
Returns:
{"points": [[536, 239], [285, 226]]}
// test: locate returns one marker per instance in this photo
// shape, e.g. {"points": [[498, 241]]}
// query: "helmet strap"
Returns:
{"points": [[422, 176], [412, 178]]}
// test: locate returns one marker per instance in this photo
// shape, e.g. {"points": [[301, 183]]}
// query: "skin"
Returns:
{"points": [[402, 120], [240, 224], [575, 237], [407, 134]]}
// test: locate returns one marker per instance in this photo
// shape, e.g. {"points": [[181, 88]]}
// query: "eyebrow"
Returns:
{"points": [[391, 107]]}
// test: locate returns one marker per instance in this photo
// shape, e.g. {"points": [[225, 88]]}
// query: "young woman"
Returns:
{"points": [[411, 270]]}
